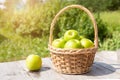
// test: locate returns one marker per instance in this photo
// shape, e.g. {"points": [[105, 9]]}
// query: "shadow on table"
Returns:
{"points": [[37, 72], [42, 69], [100, 69], [117, 66], [45, 68]]}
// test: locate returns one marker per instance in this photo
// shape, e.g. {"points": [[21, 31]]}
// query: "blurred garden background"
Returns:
{"points": [[25, 24]]}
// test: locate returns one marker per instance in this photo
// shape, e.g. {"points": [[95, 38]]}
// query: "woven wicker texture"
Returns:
{"points": [[73, 61]]}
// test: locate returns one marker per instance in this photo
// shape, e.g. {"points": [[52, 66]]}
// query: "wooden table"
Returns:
{"points": [[106, 66]]}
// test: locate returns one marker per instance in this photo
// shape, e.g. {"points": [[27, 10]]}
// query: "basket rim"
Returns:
{"points": [[71, 51]]}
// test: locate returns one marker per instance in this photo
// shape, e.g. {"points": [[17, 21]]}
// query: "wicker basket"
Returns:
{"points": [[73, 61]]}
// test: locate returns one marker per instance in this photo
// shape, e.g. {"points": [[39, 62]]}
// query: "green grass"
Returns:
{"points": [[15, 50], [15, 47], [112, 19], [113, 23]]}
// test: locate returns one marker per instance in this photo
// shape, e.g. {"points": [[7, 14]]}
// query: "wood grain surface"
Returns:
{"points": [[106, 66]]}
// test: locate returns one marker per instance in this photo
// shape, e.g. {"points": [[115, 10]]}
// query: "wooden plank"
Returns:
{"points": [[46, 73], [11, 71], [98, 71], [105, 66], [108, 55], [109, 58], [106, 71]]}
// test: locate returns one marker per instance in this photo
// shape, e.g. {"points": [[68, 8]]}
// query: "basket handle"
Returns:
{"points": [[85, 10]]}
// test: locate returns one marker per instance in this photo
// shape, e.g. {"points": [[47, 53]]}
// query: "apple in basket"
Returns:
{"points": [[33, 62], [86, 43], [73, 44], [71, 34], [81, 37], [58, 43], [72, 40]]}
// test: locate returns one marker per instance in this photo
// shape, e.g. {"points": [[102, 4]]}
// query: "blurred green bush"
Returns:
{"points": [[26, 31], [80, 21], [111, 43], [19, 49], [35, 21], [100, 5]]}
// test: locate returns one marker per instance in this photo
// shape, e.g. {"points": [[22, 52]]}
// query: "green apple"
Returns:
{"points": [[71, 34], [81, 37], [58, 43], [86, 43], [73, 44], [33, 62]]}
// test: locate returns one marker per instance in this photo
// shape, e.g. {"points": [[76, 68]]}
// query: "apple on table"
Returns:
{"points": [[33, 62]]}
